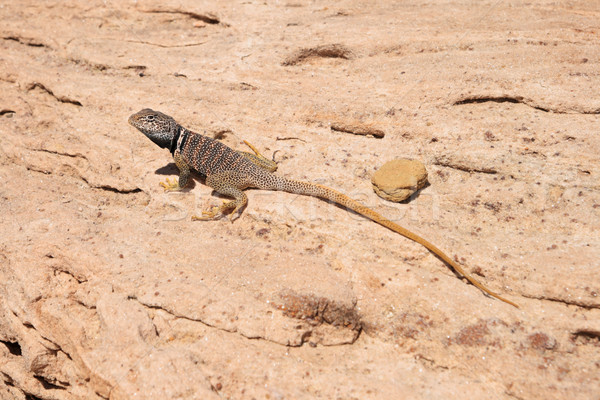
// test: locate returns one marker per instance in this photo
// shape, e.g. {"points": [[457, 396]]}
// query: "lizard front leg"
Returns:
{"points": [[184, 175]]}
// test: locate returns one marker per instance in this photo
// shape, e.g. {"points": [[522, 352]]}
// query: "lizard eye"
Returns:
{"points": [[150, 117]]}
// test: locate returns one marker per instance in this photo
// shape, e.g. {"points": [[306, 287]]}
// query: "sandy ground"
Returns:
{"points": [[108, 290]]}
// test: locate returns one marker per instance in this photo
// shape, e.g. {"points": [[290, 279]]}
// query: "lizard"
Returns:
{"points": [[229, 172]]}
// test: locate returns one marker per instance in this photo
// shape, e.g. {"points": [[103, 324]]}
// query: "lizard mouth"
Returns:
{"points": [[132, 120]]}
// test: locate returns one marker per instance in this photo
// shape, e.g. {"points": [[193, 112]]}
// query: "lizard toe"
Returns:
{"points": [[170, 186]]}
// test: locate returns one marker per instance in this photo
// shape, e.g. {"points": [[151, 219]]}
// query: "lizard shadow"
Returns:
{"points": [[171, 169]]}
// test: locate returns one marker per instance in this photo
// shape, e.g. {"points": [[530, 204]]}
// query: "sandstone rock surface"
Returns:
{"points": [[109, 291]]}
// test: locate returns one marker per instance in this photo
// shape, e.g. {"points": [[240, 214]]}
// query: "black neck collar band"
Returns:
{"points": [[175, 140]]}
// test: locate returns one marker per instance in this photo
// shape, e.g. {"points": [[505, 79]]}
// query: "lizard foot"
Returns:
{"points": [[170, 186], [211, 213]]}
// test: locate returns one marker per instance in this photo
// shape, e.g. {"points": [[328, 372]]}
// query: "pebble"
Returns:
{"points": [[398, 179]]}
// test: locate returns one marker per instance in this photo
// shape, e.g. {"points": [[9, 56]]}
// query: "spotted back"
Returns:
{"points": [[209, 156]]}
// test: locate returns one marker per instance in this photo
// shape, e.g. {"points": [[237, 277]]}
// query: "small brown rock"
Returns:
{"points": [[398, 179]]}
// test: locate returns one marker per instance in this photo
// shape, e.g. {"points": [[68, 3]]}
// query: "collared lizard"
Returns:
{"points": [[229, 172]]}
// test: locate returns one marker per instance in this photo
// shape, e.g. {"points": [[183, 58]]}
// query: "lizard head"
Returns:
{"points": [[158, 127]]}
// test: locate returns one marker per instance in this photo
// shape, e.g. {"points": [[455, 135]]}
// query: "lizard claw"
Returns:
{"points": [[210, 214], [203, 218], [218, 212], [170, 186]]}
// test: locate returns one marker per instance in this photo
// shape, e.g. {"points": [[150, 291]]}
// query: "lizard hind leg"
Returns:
{"points": [[228, 184], [258, 159]]}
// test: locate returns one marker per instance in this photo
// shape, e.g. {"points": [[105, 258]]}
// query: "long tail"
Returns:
{"points": [[324, 192]]}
